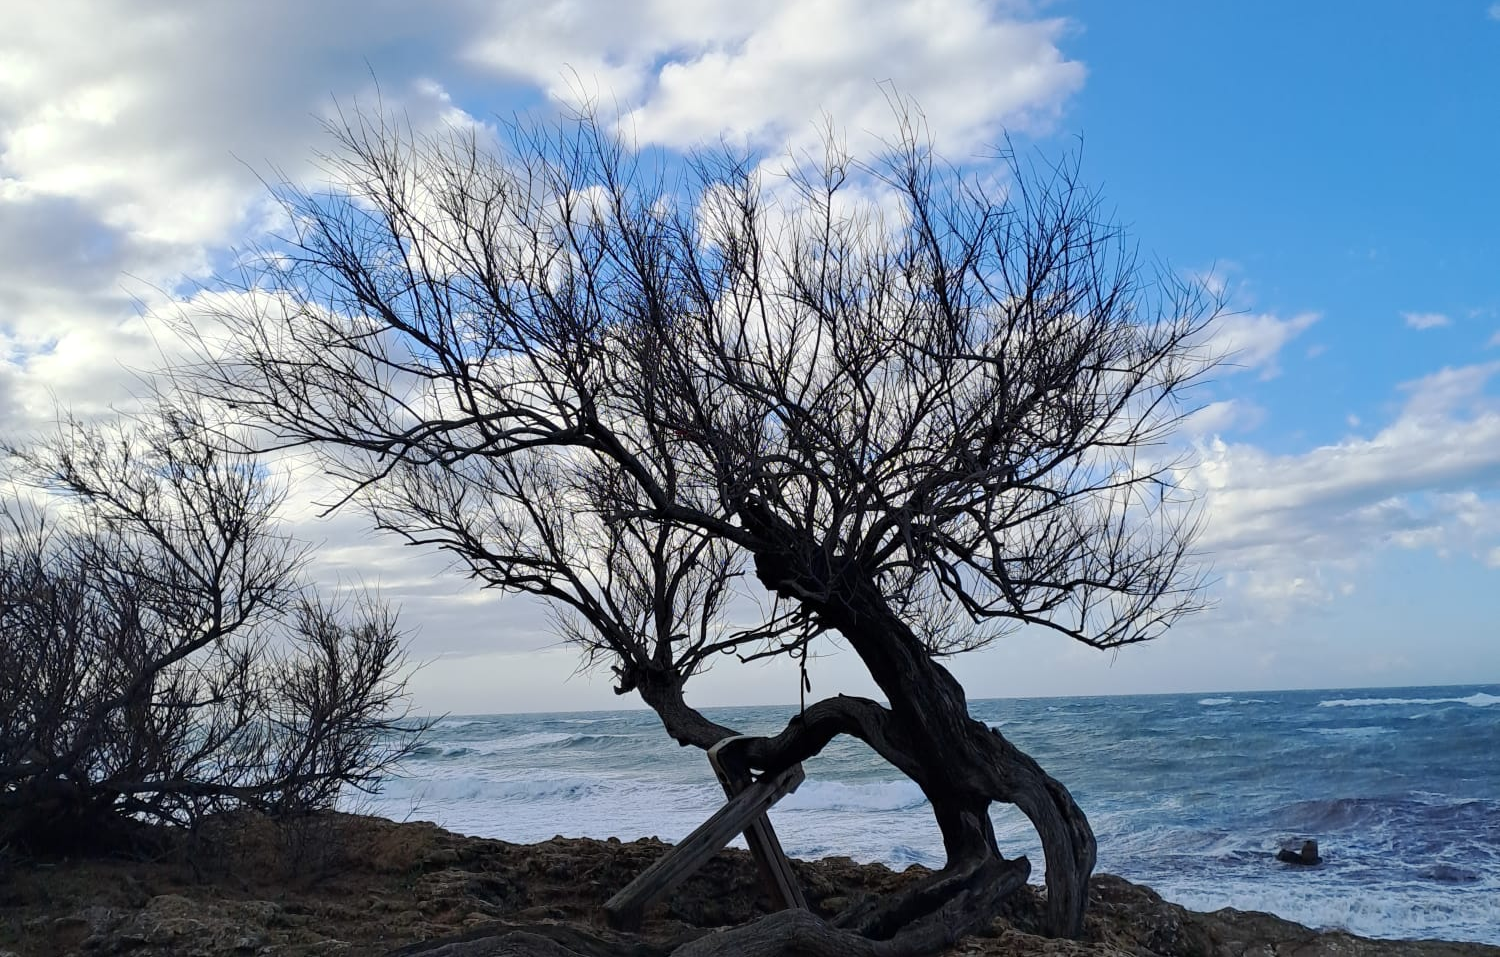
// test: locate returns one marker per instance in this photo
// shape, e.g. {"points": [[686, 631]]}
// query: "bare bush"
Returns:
{"points": [[161, 658]]}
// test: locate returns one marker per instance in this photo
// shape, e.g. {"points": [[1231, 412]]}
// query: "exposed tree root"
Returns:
{"points": [[960, 781], [884, 917], [951, 905], [959, 791]]}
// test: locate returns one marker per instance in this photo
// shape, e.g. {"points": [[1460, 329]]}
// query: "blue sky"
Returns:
{"points": [[1332, 166], [1332, 157]]}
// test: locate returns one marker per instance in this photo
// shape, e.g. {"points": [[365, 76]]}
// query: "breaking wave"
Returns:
{"points": [[1476, 700]]}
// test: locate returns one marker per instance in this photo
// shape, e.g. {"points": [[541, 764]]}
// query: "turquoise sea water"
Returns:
{"points": [[1190, 794]]}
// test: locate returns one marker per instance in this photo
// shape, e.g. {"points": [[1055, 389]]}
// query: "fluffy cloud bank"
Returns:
{"points": [[131, 133], [130, 136], [1290, 529], [765, 71], [1251, 341]]}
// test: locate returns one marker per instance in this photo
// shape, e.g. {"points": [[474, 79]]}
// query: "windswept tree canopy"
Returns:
{"points": [[568, 369], [921, 407]]}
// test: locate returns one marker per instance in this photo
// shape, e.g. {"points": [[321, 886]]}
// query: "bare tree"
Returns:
{"points": [[920, 408], [160, 658]]}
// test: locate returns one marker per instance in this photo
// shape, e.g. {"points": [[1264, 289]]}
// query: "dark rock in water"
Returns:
{"points": [[1306, 854]]}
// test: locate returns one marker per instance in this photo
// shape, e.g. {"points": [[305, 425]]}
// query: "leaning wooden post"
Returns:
{"points": [[744, 813], [775, 870]]}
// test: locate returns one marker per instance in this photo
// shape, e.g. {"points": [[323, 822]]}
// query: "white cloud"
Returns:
{"points": [[1426, 320], [1215, 279], [1287, 526], [1253, 341], [1436, 396], [131, 134], [1227, 415], [765, 71], [1494, 11], [1494, 341], [144, 112]]}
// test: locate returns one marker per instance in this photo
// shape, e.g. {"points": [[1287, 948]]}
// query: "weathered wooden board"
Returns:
{"points": [[744, 812], [775, 869]]}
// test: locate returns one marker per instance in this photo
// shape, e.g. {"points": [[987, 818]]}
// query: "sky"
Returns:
{"points": [[1330, 167]]}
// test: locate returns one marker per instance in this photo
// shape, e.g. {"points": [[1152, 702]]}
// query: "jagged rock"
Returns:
{"points": [[1304, 853]]}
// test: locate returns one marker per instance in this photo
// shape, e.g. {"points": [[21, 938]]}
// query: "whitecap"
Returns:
{"points": [[1476, 700], [1210, 702], [479, 790]]}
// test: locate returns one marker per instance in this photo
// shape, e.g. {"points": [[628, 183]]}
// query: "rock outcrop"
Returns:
{"points": [[346, 885], [1303, 853]]}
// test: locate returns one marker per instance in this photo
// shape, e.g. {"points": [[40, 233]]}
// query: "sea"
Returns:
{"points": [[1190, 794]]}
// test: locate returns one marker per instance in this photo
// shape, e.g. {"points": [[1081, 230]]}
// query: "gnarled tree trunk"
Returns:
{"points": [[962, 766]]}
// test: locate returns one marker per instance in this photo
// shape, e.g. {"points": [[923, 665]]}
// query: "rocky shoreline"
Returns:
{"points": [[346, 885]]}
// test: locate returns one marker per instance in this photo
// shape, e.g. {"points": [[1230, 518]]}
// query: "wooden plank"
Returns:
{"points": [[775, 869], [776, 872], [623, 911]]}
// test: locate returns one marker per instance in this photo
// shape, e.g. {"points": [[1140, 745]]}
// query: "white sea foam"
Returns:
{"points": [[1411, 913], [841, 796], [415, 791], [1211, 702], [1476, 700], [473, 789]]}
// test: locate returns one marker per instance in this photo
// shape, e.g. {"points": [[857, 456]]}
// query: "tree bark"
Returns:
{"points": [[961, 780], [961, 765], [662, 692]]}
